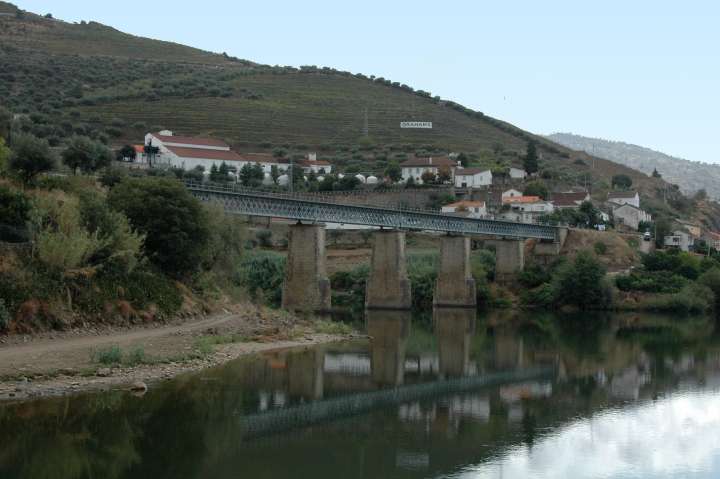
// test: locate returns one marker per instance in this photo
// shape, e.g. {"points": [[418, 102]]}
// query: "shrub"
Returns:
{"points": [[262, 274], [534, 275], [14, 207], [693, 298], [711, 280], [651, 282], [600, 248], [112, 176], [422, 272], [30, 157], [174, 223], [86, 155], [580, 283], [264, 238], [109, 356]]}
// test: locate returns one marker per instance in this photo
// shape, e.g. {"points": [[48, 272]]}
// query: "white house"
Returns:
{"points": [[679, 239], [517, 173], [624, 198], [311, 163], [472, 177], [630, 216], [415, 167], [526, 209], [511, 193], [469, 209]]}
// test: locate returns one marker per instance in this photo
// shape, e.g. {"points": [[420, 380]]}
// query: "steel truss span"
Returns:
{"points": [[255, 203]]}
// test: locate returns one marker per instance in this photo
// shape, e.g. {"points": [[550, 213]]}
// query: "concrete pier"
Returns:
{"points": [[509, 259], [306, 287], [455, 285], [388, 286], [388, 331], [454, 328]]}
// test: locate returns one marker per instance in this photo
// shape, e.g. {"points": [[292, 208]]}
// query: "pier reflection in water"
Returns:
{"points": [[446, 395]]}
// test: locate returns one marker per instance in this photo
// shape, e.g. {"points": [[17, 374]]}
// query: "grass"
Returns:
{"points": [[205, 345], [115, 356], [331, 327]]}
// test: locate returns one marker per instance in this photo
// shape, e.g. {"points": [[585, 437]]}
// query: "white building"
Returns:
{"points": [[415, 167], [624, 198], [526, 209], [511, 193], [312, 164], [472, 177], [188, 152], [679, 239], [630, 216], [469, 209], [517, 173]]}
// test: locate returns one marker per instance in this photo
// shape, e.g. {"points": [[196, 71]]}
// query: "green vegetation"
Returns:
{"points": [[86, 155], [30, 157], [262, 274], [331, 327]]}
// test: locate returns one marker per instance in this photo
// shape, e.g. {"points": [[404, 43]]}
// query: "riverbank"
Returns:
{"points": [[56, 364]]}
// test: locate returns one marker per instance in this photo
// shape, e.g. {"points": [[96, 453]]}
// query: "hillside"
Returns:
{"points": [[690, 176], [62, 79]]}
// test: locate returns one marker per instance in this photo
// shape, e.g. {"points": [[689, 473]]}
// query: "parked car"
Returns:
{"points": [[647, 236]]}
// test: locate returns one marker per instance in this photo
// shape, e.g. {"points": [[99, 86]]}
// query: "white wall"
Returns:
{"points": [[483, 178]]}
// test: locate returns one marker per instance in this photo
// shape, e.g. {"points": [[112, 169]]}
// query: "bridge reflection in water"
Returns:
{"points": [[379, 381]]}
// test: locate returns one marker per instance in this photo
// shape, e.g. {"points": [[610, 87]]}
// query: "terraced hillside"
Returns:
{"points": [[62, 79]]}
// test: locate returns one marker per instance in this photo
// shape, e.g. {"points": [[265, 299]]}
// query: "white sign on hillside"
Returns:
{"points": [[416, 124]]}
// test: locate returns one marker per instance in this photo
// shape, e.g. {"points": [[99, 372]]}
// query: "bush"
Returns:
{"points": [[422, 272], [534, 275], [86, 155], [30, 157], [14, 207], [693, 298], [264, 238], [109, 356], [600, 248], [711, 280], [174, 223], [262, 274], [651, 282], [580, 283]]}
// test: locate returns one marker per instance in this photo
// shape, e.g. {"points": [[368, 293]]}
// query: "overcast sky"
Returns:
{"points": [[644, 72]]}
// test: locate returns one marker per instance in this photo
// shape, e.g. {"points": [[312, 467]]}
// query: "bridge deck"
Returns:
{"points": [[258, 203]]}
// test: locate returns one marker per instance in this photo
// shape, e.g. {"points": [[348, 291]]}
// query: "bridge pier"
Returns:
{"points": [[306, 287], [305, 373], [388, 331], [509, 259], [388, 286], [454, 328], [455, 285]]}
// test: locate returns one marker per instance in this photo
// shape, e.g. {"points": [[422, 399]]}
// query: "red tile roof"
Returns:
{"points": [[139, 148], [221, 155], [570, 198], [521, 199], [191, 140], [466, 203], [261, 158], [430, 161]]}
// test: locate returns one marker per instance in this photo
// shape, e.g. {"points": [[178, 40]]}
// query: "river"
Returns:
{"points": [[451, 394]]}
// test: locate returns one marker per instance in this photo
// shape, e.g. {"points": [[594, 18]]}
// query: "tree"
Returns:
{"points": [[174, 223], [701, 195], [393, 171], [590, 214], [580, 283], [30, 156], [347, 182], [464, 160], [214, 172], [410, 182], [530, 161], [428, 177], [224, 172], [126, 152], [444, 174], [327, 184], [257, 175], [536, 188], [274, 174], [86, 155], [656, 173], [623, 182]]}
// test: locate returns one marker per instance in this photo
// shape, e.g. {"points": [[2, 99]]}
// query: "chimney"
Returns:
{"points": [[312, 156]]}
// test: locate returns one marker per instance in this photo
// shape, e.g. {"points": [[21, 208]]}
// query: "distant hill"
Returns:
{"points": [[690, 176], [63, 79]]}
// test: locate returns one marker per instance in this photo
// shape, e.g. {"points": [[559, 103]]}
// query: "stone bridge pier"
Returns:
{"points": [[454, 328], [306, 287], [509, 259], [388, 286], [455, 285], [388, 331]]}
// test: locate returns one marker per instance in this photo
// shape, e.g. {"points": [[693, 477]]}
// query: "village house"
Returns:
{"points": [[569, 199], [526, 209], [712, 239], [511, 193], [630, 216], [517, 173], [472, 177], [624, 198], [311, 164], [415, 167], [679, 239], [188, 153], [467, 208]]}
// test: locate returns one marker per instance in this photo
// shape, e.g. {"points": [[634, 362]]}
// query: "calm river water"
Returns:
{"points": [[452, 395]]}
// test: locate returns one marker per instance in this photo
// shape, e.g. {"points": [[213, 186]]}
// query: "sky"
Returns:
{"points": [[644, 72]]}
